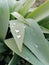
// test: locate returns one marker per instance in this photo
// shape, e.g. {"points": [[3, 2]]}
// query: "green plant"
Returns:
{"points": [[24, 32]]}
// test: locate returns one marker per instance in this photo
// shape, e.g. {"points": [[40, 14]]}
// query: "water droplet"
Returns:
{"points": [[18, 36], [14, 23], [17, 31], [36, 46], [27, 58]]}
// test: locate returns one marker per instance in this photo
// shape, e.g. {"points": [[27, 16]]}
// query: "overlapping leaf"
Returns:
{"points": [[18, 30], [35, 38], [44, 30], [19, 17], [35, 45], [41, 14], [26, 53], [35, 41]]}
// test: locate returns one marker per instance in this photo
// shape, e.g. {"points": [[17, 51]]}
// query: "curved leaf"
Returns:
{"points": [[18, 30], [4, 18], [36, 42], [19, 17], [26, 53], [34, 37]]}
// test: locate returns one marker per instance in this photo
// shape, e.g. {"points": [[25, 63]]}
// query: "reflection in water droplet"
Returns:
{"points": [[17, 31], [36, 46], [18, 36], [27, 58], [13, 23]]}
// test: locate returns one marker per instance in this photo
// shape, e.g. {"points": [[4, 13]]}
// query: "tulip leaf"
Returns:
{"points": [[4, 18], [26, 53], [36, 42], [18, 30], [19, 17], [34, 37]]}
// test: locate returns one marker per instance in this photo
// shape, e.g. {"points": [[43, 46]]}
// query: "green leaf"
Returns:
{"points": [[44, 22], [4, 18], [34, 37], [36, 42], [40, 13], [44, 30], [18, 30], [26, 53], [19, 17], [26, 7], [14, 60]]}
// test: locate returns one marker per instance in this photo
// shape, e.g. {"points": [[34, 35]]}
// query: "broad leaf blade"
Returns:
{"points": [[26, 54], [36, 42], [18, 30], [4, 18], [31, 39]]}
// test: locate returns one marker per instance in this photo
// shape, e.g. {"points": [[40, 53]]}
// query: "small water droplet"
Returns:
{"points": [[36, 46], [18, 36], [14, 23], [27, 58], [17, 31]]}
